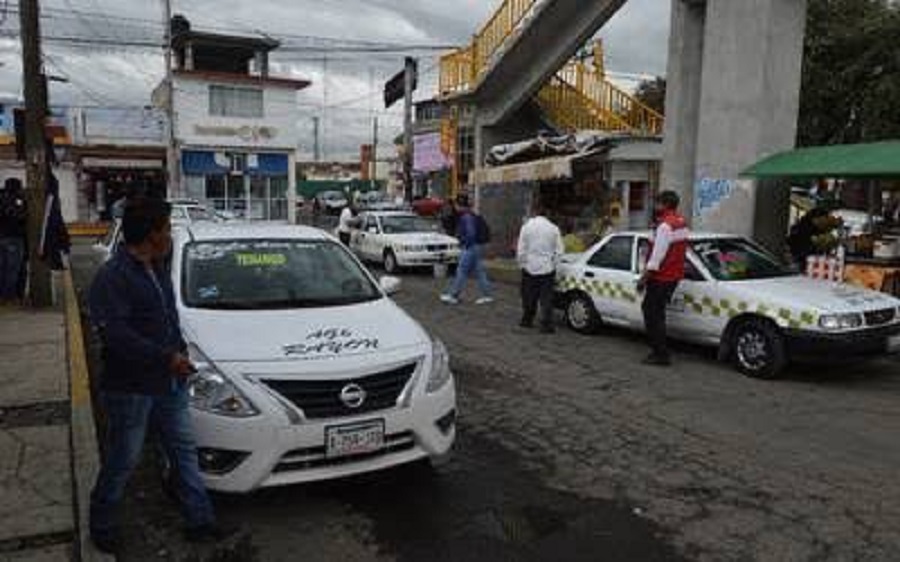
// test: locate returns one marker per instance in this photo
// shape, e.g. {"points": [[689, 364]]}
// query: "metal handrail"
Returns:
{"points": [[601, 103], [461, 69]]}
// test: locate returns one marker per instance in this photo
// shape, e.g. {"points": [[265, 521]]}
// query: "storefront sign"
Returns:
{"points": [[246, 132]]}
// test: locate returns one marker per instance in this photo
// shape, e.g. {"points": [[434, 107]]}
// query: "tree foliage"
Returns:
{"points": [[851, 72], [652, 93]]}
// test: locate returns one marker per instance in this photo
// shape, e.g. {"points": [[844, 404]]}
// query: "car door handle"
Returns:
{"points": [[589, 274]]}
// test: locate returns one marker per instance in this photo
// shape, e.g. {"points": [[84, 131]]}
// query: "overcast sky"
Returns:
{"points": [[348, 85]]}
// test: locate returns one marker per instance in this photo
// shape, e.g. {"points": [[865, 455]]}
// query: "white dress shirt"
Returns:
{"points": [[345, 220], [540, 246]]}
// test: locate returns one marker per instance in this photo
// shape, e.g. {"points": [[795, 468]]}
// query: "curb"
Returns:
{"points": [[84, 448]]}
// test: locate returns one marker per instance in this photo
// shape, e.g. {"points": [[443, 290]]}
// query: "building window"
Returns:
{"points": [[229, 101]]}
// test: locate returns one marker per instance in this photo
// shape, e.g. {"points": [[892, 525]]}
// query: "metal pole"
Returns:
{"points": [[173, 157], [39, 285], [375, 152], [316, 153], [409, 77]]}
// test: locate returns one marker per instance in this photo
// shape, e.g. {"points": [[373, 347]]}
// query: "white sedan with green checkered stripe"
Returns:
{"points": [[735, 296]]}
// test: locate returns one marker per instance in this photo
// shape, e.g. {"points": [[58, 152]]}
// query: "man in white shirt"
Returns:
{"points": [[346, 222], [540, 248]]}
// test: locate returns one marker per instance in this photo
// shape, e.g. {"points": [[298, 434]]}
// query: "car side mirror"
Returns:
{"points": [[390, 285]]}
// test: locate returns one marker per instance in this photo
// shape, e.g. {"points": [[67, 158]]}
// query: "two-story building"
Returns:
{"points": [[235, 125]]}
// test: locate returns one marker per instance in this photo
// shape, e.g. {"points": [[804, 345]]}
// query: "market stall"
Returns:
{"points": [[860, 244]]}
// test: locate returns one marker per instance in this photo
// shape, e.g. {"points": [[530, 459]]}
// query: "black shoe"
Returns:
{"points": [[548, 330], [657, 360], [107, 543], [213, 532]]}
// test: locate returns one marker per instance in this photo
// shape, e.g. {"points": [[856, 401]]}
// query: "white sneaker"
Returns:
{"points": [[449, 299], [484, 300]]}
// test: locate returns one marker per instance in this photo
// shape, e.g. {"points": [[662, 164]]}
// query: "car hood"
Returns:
{"points": [[301, 334], [422, 238], [800, 292]]}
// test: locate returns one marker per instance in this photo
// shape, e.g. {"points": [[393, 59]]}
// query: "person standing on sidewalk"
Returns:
{"points": [[346, 222], [132, 304], [663, 272], [12, 238], [539, 250], [472, 232]]}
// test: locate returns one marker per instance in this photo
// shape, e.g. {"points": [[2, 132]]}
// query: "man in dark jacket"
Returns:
{"points": [[146, 367], [470, 259]]}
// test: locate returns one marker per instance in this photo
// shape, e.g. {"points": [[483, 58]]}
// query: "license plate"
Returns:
{"points": [[354, 439], [893, 344]]}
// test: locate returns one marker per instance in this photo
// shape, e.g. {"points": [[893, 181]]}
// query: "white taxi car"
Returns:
{"points": [[736, 296], [402, 239], [307, 370]]}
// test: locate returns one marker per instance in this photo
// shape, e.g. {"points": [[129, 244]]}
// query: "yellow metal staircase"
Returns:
{"points": [[579, 96]]}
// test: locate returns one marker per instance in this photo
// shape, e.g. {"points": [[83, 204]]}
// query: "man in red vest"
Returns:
{"points": [[663, 271]]}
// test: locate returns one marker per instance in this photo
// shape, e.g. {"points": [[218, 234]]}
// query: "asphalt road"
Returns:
{"points": [[569, 449]]}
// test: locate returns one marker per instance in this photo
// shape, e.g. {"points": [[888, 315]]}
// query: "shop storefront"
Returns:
{"points": [[586, 194], [857, 238], [245, 184]]}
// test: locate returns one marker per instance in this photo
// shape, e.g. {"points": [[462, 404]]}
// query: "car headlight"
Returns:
{"points": [[212, 392], [414, 248], [440, 367], [840, 321]]}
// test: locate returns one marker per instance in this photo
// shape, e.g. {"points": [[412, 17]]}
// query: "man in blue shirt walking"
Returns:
{"points": [[470, 258], [146, 368]]}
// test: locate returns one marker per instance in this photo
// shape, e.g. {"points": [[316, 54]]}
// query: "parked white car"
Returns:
{"points": [[735, 296], [402, 239], [307, 370]]}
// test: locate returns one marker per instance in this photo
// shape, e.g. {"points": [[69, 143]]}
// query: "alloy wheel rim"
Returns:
{"points": [[578, 313], [753, 350]]}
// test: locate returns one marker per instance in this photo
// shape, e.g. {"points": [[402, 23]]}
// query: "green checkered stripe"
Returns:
{"points": [[598, 288], [705, 306], [725, 308]]}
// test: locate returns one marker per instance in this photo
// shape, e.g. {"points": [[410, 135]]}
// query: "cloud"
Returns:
{"points": [[350, 86]]}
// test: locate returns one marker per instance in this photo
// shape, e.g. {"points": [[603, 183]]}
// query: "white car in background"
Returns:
{"points": [[307, 370], [398, 239], [735, 296]]}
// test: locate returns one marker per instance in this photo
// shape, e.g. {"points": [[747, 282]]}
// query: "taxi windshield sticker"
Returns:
{"points": [[260, 259]]}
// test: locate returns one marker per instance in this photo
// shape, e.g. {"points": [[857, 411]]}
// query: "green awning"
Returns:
{"points": [[875, 160]]}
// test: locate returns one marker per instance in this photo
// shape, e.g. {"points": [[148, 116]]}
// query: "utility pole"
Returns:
{"points": [[315, 138], [39, 285], [409, 81], [375, 152], [173, 158]]}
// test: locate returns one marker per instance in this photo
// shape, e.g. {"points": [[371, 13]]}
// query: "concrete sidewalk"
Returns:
{"points": [[37, 519], [48, 447]]}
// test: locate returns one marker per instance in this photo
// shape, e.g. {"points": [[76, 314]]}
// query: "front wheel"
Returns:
{"points": [[390, 262], [758, 349], [581, 315]]}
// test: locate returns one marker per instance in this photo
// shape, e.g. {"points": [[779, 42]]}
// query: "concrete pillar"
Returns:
{"points": [[292, 188], [749, 76], [683, 84]]}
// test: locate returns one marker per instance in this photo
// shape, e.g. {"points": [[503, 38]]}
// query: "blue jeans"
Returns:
{"points": [[128, 417], [470, 262], [12, 254]]}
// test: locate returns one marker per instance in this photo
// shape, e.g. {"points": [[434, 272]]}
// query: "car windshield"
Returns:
{"points": [[737, 259], [272, 274], [400, 224]]}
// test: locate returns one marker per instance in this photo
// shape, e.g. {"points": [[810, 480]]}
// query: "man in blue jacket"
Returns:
{"points": [[146, 367], [470, 258]]}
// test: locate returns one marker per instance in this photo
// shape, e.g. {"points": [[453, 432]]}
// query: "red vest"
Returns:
{"points": [[672, 266]]}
